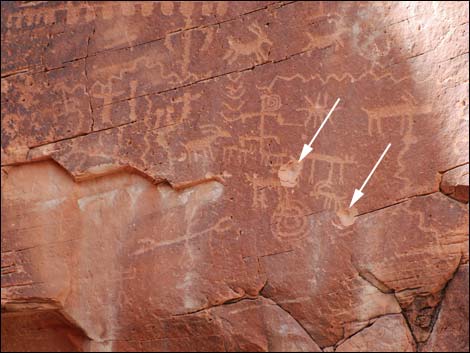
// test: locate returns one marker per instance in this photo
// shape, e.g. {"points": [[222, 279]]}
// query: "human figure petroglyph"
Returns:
{"points": [[208, 38], [184, 53], [249, 146], [169, 115], [88, 12], [253, 47], [235, 155], [132, 102], [256, 143], [315, 110], [259, 184], [221, 8], [264, 142], [47, 16], [69, 105], [106, 90], [187, 233]]}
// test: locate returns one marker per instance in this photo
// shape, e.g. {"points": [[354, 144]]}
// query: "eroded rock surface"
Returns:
{"points": [[387, 334], [151, 194]]}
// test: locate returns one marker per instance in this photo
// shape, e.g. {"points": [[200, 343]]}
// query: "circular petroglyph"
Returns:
{"points": [[270, 103], [289, 221]]}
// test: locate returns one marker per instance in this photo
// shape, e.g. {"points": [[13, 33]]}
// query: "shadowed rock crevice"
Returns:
{"points": [[450, 322], [44, 324], [386, 333], [454, 183], [369, 277]]}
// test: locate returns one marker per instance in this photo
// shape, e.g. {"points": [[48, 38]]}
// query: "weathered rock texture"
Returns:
{"points": [[450, 332], [151, 194]]}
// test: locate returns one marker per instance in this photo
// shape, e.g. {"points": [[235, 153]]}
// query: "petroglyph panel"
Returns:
{"points": [[42, 107], [39, 34], [178, 216]]}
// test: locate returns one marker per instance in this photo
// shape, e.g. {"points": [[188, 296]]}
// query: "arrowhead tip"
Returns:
{"points": [[305, 151], [357, 195]]}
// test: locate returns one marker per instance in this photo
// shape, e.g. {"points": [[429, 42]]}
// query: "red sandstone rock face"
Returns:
{"points": [[151, 194], [40, 330], [455, 183], [387, 334], [451, 328]]}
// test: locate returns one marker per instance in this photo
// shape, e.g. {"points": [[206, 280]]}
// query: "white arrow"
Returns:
{"points": [[307, 148], [358, 193]]}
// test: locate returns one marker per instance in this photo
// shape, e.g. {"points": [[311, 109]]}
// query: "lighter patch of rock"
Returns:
{"points": [[108, 196], [346, 217], [289, 174], [53, 203]]}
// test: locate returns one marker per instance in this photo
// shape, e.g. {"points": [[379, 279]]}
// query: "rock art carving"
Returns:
{"points": [[288, 221], [253, 47], [150, 198]]}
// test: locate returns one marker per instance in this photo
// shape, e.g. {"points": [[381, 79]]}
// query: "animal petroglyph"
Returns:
{"points": [[402, 112], [333, 162], [203, 148], [253, 47], [327, 30]]}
